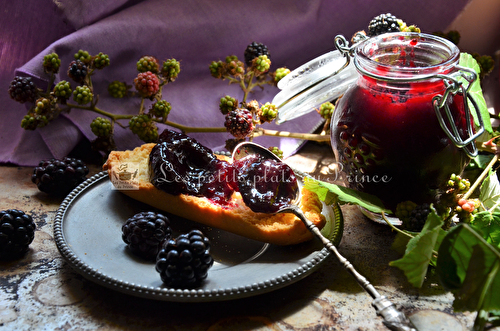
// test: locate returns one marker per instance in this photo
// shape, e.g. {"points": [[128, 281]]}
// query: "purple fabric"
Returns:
{"points": [[193, 32]]}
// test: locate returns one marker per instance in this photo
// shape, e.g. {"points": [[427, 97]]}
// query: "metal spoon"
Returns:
{"points": [[393, 319]]}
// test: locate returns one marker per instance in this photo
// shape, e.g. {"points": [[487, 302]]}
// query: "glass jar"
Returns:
{"points": [[404, 126]]}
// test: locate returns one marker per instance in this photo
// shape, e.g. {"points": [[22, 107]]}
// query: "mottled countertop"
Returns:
{"points": [[41, 291]]}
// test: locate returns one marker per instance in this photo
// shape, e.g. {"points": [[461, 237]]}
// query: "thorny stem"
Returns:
{"points": [[481, 177]]}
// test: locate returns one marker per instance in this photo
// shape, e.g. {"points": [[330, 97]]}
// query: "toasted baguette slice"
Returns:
{"points": [[236, 217]]}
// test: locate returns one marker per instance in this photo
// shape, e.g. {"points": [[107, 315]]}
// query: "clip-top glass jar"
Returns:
{"points": [[405, 126]]}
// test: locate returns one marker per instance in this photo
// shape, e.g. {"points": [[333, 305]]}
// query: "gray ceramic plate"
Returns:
{"points": [[87, 231]]}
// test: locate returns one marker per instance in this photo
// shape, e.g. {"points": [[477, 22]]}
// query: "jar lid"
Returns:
{"points": [[322, 79]]}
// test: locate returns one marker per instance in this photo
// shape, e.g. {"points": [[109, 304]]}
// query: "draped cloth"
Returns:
{"points": [[193, 32]]}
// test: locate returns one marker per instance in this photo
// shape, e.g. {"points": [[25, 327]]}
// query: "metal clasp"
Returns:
{"points": [[446, 120]]}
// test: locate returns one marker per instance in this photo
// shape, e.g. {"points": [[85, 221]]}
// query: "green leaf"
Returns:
{"points": [[490, 191], [420, 249], [467, 60], [330, 193], [488, 224], [470, 267]]}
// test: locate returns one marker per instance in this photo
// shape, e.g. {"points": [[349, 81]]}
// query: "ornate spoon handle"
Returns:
{"points": [[393, 318]]}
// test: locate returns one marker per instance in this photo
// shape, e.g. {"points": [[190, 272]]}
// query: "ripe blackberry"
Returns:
{"points": [[117, 89], [17, 231], [239, 123], [147, 84], [382, 24], [51, 63], [148, 63], [227, 104], [101, 127], [144, 127], [59, 176], [101, 60], [185, 260], [77, 71], [144, 233], [254, 50], [170, 69], [22, 89], [418, 216]]}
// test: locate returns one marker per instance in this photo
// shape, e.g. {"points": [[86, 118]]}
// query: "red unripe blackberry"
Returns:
{"points": [[145, 231], [22, 89], [59, 176], [147, 84], [17, 231], [239, 123], [185, 260]]}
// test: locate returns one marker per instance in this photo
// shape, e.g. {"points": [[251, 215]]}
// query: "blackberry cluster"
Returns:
{"points": [[101, 60], [268, 112], [239, 123], [51, 63], [144, 233], [59, 176], [185, 260], [42, 106], [227, 104], [276, 151], [254, 50], [144, 128], [171, 69], [161, 109], [418, 216], [326, 110], [280, 74], [217, 69], [117, 89], [262, 64], [77, 71], [234, 66], [101, 127], [147, 84], [382, 24], [63, 90], [148, 63], [83, 56], [22, 89], [83, 95], [17, 231]]}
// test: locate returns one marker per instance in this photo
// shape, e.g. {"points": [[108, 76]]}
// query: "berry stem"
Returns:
{"points": [[481, 177], [286, 134]]}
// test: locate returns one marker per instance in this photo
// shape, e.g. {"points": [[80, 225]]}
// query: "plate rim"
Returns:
{"points": [[166, 293]]}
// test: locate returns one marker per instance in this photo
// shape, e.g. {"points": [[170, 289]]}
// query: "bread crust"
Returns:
{"points": [[236, 217]]}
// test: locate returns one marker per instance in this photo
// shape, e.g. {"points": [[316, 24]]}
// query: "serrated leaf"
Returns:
{"points": [[489, 225], [419, 251], [330, 193], [490, 191], [470, 267], [467, 60]]}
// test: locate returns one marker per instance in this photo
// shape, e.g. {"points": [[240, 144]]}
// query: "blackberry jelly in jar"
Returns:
{"points": [[404, 126]]}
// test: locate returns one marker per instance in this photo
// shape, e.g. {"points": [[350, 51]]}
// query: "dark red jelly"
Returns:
{"points": [[179, 164], [385, 133], [266, 185]]}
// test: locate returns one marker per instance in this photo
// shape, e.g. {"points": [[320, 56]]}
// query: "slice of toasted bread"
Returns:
{"points": [[235, 217]]}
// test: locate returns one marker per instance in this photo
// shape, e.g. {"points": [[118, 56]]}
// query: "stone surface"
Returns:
{"points": [[41, 292]]}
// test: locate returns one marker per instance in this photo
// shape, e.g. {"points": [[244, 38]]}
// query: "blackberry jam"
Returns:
{"points": [[385, 131]]}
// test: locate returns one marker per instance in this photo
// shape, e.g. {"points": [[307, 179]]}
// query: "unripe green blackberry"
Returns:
{"points": [[22, 89], [82, 95], [32, 121], [147, 84], [227, 104], [261, 64], [83, 56], [171, 69], [459, 184], [268, 112], [276, 151], [51, 63], [280, 74], [326, 110], [161, 109], [42, 106], [404, 209], [101, 127], [217, 69], [117, 89], [101, 60], [63, 90], [144, 128], [234, 66], [148, 63]]}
